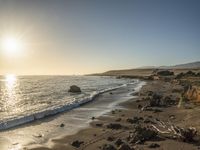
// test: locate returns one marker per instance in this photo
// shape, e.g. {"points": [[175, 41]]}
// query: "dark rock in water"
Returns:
{"points": [[124, 147], [62, 125], [77, 143], [118, 142], [154, 145], [74, 89], [114, 126], [108, 147]]}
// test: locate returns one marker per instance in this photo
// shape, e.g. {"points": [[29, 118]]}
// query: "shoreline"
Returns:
{"points": [[119, 124], [66, 123]]}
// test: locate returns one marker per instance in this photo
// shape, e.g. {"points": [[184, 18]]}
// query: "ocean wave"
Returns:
{"points": [[76, 102]]}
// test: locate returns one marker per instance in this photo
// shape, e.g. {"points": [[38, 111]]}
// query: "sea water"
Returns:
{"points": [[27, 98]]}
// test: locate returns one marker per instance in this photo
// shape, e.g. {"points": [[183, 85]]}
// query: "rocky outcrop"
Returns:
{"points": [[74, 89], [165, 73]]}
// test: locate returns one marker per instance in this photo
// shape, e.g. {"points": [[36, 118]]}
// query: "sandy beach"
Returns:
{"points": [[118, 128]]}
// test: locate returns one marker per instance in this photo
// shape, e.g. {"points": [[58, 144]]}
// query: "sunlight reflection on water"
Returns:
{"points": [[9, 92]]}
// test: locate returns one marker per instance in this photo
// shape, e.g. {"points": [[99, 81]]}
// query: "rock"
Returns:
{"points": [[77, 143], [172, 117], [154, 100], [147, 120], [111, 93], [165, 73], [62, 125], [110, 138], [134, 120], [154, 145], [108, 147], [74, 89], [157, 110], [142, 134], [113, 112], [139, 106], [114, 126], [118, 142], [118, 120], [124, 147], [188, 134], [93, 118], [99, 124]]}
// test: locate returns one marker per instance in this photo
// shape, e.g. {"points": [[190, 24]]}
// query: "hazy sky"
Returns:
{"points": [[85, 36]]}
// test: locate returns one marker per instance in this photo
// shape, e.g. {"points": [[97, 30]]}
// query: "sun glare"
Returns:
{"points": [[11, 46]]}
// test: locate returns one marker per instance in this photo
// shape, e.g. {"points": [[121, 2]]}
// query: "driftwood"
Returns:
{"points": [[171, 131]]}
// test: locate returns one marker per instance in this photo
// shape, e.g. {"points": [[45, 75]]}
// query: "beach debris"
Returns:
{"points": [[118, 142], [108, 147], [154, 145], [77, 143], [74, 89], [62, 125], [170, 130], [124, 146], [114, 126]]}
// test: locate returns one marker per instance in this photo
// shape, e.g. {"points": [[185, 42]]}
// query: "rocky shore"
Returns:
{"points": [[158, 118]]}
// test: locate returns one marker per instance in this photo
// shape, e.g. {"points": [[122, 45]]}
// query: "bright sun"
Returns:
{"points": [[11, 45]]}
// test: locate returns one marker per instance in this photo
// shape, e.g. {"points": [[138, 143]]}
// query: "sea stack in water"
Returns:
{"points": [[74, 89]]}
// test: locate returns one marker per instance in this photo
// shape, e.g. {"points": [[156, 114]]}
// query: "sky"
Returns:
{"points": [[90, 36]]}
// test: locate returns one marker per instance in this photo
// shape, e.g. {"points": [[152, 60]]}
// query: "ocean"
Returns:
{"points": [[27, 98]]}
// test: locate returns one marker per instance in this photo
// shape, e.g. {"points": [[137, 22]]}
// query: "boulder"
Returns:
{"points": [[74, 89]]}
